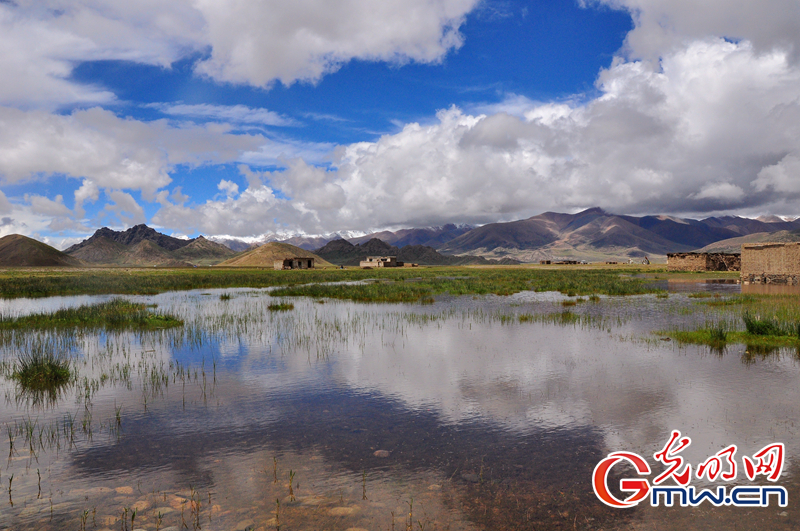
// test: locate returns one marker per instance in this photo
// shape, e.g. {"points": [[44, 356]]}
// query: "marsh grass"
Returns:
{"points": [[478, 282], [114, 314], [429, 281], [41, 376]]}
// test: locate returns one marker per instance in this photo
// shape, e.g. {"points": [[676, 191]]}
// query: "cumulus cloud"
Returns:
{"points": [[125, 208], [249, 41], [47, 207], [5, 204], [230, 188], [260, 41], [107, 151], [664, 25]]}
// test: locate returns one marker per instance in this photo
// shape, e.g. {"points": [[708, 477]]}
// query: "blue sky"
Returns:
{"points": [[253, 118]]}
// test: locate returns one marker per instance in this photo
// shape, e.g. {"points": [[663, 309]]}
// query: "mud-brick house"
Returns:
{"points": [[380, 261], [704, 262], [767, 263], [293, 263]]}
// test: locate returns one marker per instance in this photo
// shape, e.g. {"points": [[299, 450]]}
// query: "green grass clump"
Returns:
{"points": [[41, 376], [280, 307], [759, 326], [42, 370], [114, 314], [225, 297], [759, 332]]}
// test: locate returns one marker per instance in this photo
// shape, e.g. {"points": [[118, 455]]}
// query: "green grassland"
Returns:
{"points": [[394, 285]]}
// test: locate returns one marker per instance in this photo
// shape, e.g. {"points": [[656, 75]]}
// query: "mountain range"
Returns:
{"points": [[342, 252], [592, 235]]}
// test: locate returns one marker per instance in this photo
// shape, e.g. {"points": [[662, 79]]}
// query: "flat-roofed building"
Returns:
{"points": [[380, 261], [768, 263], [294, 263], [704, 262]]}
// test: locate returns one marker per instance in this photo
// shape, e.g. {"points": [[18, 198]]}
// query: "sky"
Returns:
{"points": [[254, 118]]}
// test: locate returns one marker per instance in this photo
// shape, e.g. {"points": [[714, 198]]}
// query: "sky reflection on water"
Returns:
{"points": [[474, 410]]}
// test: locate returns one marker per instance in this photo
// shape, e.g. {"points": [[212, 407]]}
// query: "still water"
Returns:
{"points": [[343, 416]]}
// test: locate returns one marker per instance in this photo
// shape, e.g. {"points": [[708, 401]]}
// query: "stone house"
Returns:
{"points": [[381, 261], [704, 262], [293, 263], [768, 263]]}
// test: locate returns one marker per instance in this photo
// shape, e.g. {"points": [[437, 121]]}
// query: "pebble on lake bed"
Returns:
{"points": [[381, 453]]}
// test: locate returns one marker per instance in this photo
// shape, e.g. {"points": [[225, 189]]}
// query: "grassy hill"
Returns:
{"points": [[20, 251], [265, 256]]}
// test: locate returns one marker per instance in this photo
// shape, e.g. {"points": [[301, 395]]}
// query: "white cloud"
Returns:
{"points": [[235, 114], [125, 207], [47, 207], [5, 204], [259, 41], [662, 26], [230, 188], [250, 41], [781, 177], [109, 152], [723, 192], [88, 191]]}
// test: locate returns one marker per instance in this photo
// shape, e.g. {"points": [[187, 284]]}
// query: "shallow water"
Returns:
{"points": [[453, 415]]}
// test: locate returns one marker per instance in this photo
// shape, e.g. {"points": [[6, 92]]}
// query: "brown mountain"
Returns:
{"points": [[100, 250], [342, 252], [597, 235], [20, 251], [147, 253], [744, 226], [265, 255], [141, 246], [430, 236], [133, 236], [203, 252]]}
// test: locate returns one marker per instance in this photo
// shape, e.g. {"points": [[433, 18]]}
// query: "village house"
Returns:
{"points": [[380, 261], [704, 262], [293, 263], [771, 263]]}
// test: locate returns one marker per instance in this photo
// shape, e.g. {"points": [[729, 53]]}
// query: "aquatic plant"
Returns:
{"points": [[41, 375], [114, 314], [280, 307], [762, 326]]}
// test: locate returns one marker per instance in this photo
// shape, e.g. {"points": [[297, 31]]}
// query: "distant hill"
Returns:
{"points": [[142, 246], [132, 236], [430, 236], [734, 245], [265, 256], [596, 235], [202, 251], [20, 251], [342, 252]]}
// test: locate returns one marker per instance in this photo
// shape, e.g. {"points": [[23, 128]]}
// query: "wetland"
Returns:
{"points": [[438, 398]]}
